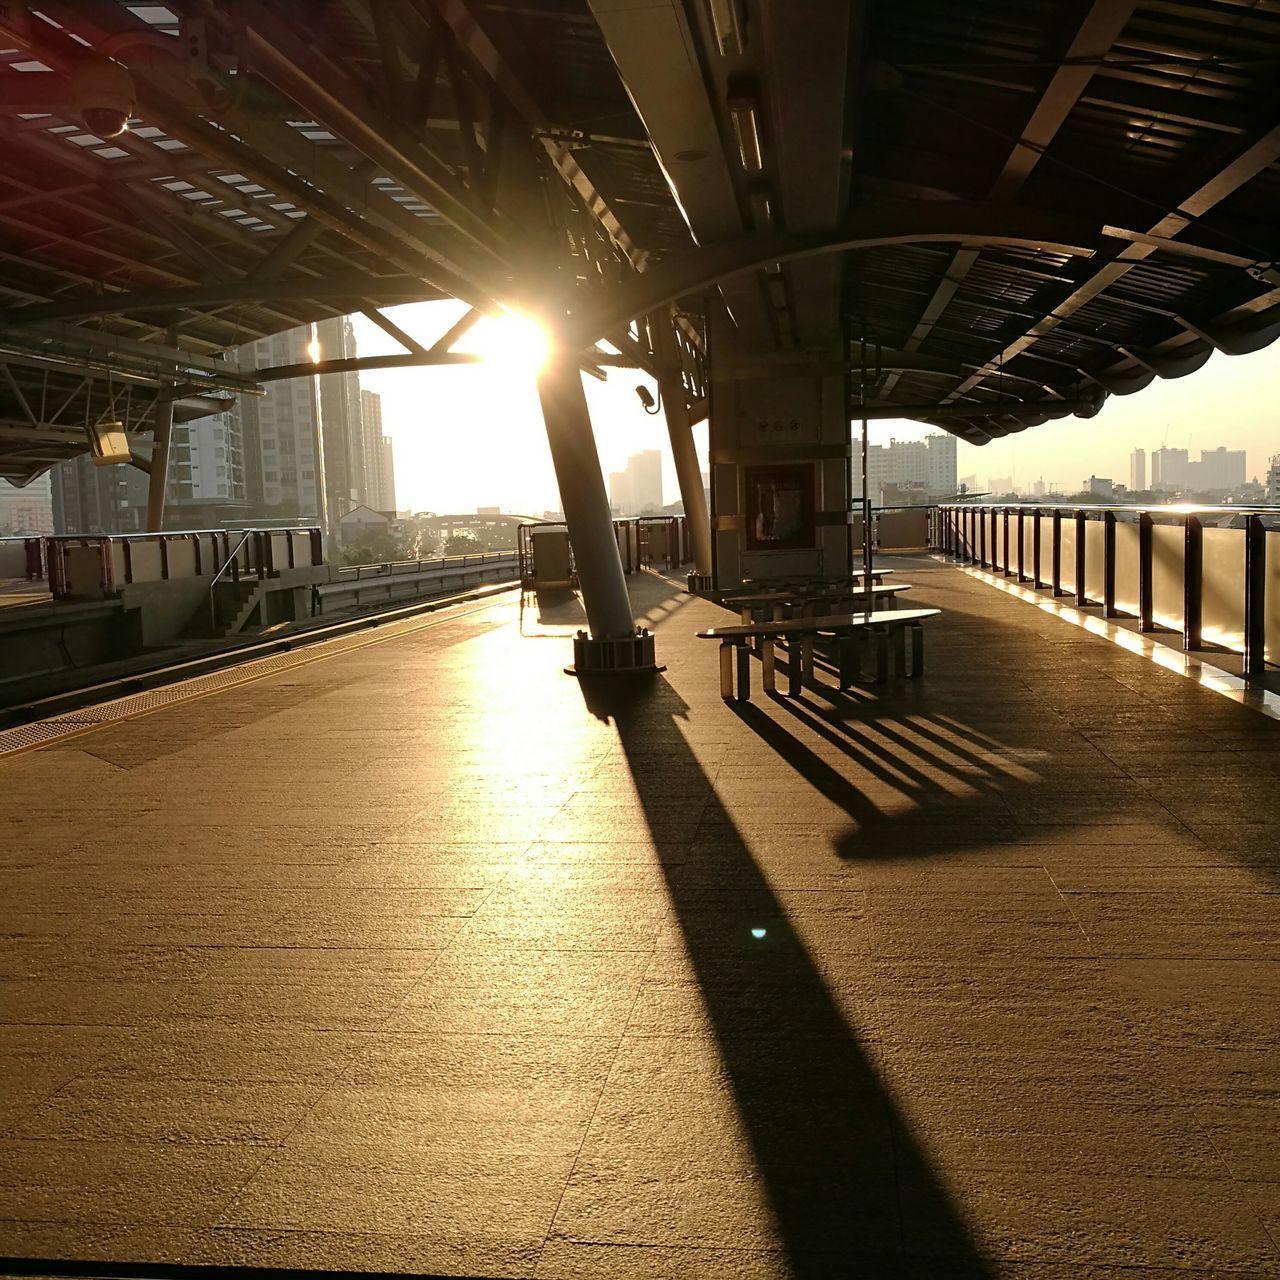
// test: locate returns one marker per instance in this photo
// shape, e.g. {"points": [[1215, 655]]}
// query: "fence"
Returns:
{"points": [[100, 565], [23, 557], [413, 579], [1209, 573]]}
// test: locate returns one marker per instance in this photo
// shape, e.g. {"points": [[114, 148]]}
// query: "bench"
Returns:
{"points": [[784, 603], [885, 627]]}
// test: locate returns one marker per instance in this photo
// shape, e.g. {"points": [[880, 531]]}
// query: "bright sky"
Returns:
{"points": [[472, 435]]}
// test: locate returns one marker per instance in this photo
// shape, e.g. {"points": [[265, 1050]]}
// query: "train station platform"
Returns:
{"points": [[408, 953]]}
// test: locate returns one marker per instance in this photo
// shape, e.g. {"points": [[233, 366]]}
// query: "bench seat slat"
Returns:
{"points": [[827, 622]]}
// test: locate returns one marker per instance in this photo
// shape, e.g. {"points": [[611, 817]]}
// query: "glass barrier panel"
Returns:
{"points": [[182, 558], [903, 530], [1128, 566], [1168, 552], [1043, 570], [145, 558], [1095, 544], [1271, 610], [1222, 589], [1067, 568]]}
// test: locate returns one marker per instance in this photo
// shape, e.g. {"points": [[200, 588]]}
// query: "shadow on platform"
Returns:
{"points": [[846, 1185]]}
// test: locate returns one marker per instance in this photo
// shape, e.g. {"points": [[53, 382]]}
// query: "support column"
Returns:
{"points": [[689, 476], [614, 644], [680, 431], [159, 464]]}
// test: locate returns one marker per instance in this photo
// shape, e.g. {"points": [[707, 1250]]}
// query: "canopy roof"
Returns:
{"points": [[1021, 206]]}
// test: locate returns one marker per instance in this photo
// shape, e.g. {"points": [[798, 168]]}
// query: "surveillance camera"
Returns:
{"points": [[646, 398], [104, 96]]}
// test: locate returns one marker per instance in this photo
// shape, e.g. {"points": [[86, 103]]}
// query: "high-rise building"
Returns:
{"points": [[387, 475], [283, 435], [208, 477], [1273, 480], [1219, 469], [380, 470], [930, 462], [90, 499], [347, 454], [28, 509], [1138, 470], [1100, 486], [639, 487], [1169, 469]]}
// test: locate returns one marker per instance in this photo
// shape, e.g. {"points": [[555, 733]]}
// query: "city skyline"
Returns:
{"points": [[1184, 413]]}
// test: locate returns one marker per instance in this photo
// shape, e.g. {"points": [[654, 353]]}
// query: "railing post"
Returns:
{"points": [[1004, 519], [1108, 564], [982, 537], [1022, 542], [1056, 553], [1146, 592], [1255, 596], [1192, 582], [1082, 528], [1036, 525]]}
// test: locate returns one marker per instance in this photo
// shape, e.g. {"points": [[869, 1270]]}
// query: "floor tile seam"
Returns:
{"points": [[279, 1145], [1070, 909], [586, 1131]]}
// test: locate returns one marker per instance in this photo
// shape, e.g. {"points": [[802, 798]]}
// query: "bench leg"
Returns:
{"points": [[768, 674], [899, 651], [793, 669], [806, 660], [744, 673], [917, 651], [849, 649], [726, 670], [881, 640]]}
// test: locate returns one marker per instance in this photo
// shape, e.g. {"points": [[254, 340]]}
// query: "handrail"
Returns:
{"points": [[233, 564], [1138, 508]]}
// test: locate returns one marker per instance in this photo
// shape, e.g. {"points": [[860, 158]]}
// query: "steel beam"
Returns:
{"points": [[1095, 36], [871, 227], [1243, 167], [385, 290]]}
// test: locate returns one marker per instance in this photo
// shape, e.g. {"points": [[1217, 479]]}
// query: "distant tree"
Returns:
{"points": [[462, 543], [374, 546]]}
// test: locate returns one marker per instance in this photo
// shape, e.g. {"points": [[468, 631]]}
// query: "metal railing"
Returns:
{"points": [[100, 564], [1206, 572], [414, 579], [232, 562]]}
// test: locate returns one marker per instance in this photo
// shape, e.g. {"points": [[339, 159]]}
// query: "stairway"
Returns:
{"points": [[235, 603]]}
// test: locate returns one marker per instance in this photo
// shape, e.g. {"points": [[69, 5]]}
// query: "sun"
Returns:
{"points": [[515, 341]]}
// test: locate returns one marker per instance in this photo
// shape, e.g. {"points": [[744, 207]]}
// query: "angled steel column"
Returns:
{"points": [[159, 464], [680, 430], [585, 502]]}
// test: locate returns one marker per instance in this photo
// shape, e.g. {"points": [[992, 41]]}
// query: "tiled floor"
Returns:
{"points": [[424, 958]]}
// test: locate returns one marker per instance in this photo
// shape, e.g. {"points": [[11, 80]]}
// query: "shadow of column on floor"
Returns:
{"points": [[849, 1191]]}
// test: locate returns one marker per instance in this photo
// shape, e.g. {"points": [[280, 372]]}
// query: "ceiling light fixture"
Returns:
{"points": [[729, 22], [744, 111]]}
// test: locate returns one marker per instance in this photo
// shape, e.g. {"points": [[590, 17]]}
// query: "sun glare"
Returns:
{"points": [[512, 340], [313, 351]]}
